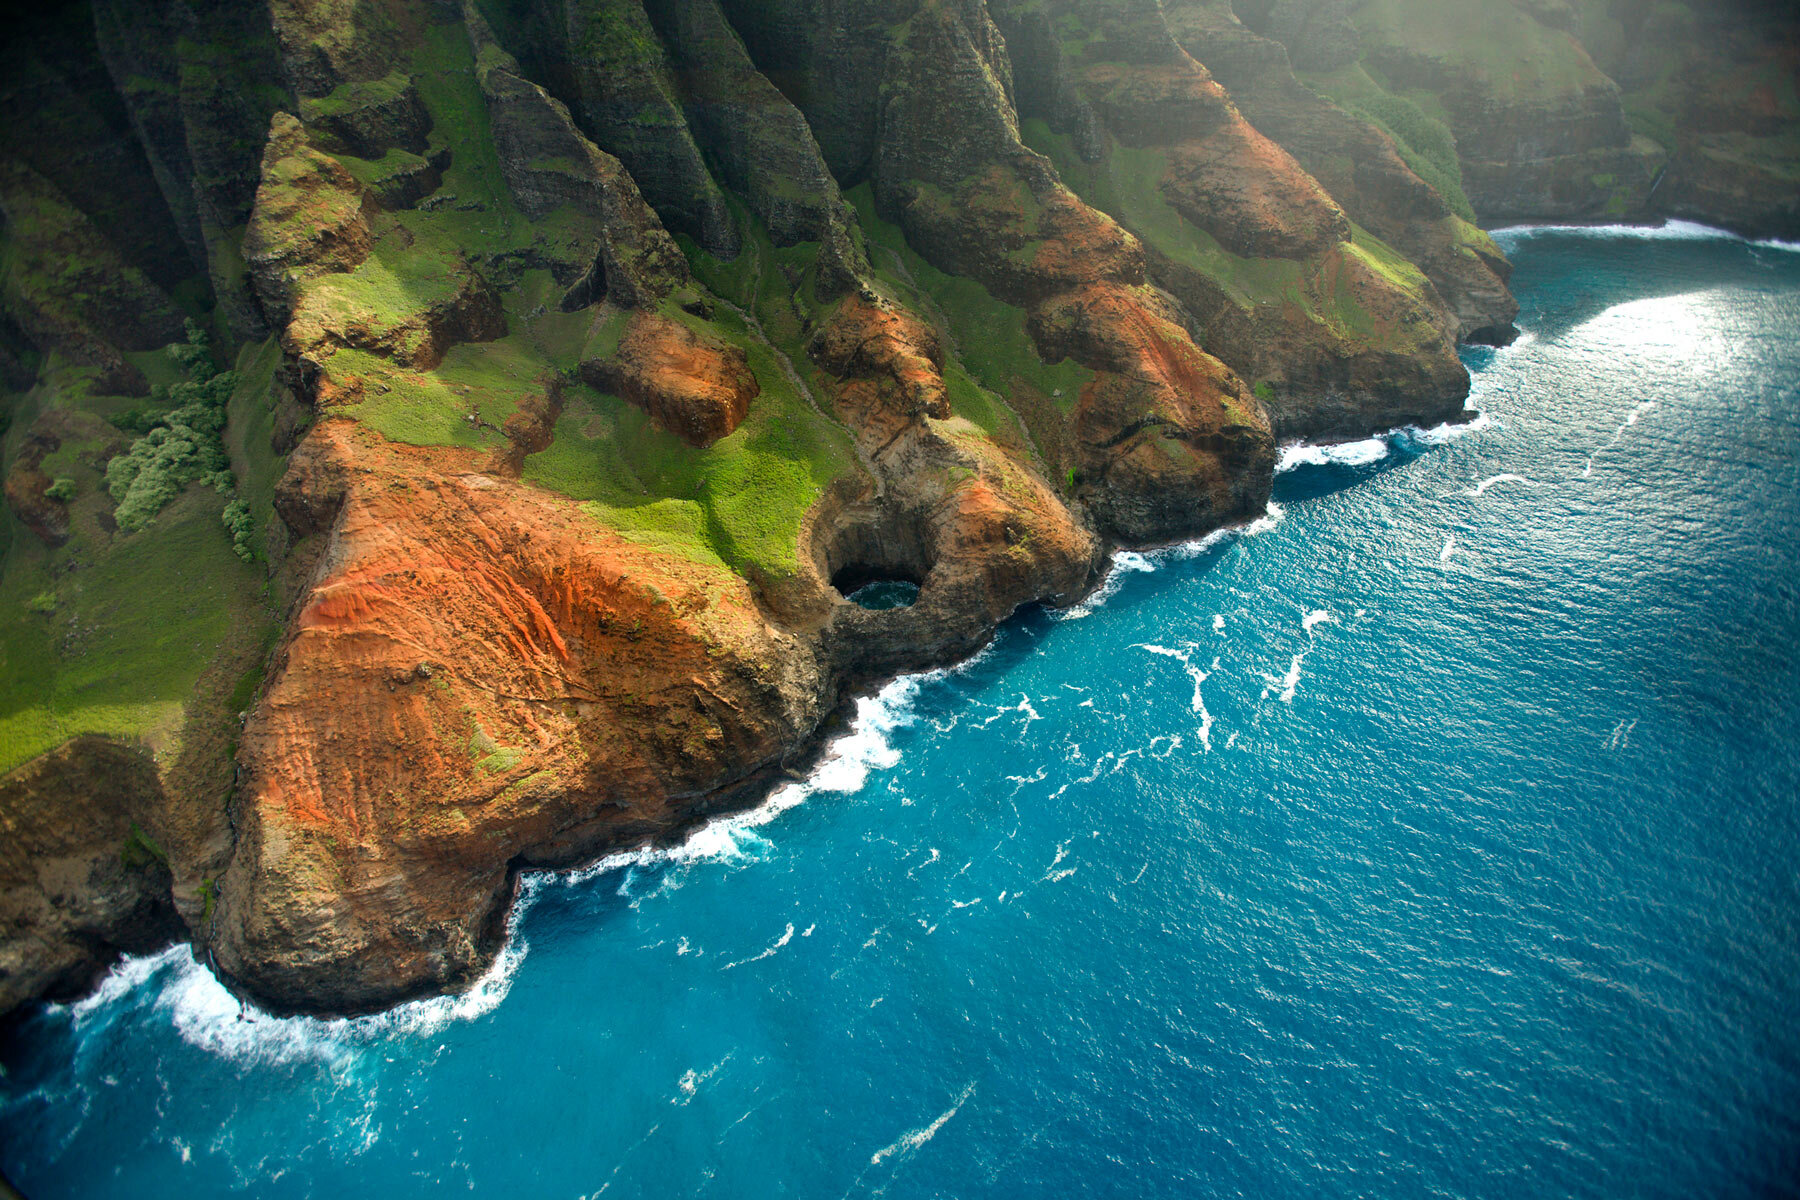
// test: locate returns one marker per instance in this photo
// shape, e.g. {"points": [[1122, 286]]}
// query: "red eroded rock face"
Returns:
{"points": [[1251, 195], [993, 209], [696, 386], [1169, 438], [1224, 176], [477, 678], [890, 348], [480, 678], [948, 508], [1082, 284]]}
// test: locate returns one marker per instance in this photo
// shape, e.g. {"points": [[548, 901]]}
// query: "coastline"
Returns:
{"points": [[836, 759], [1445, 810], [1667, 228], [770, 790]]}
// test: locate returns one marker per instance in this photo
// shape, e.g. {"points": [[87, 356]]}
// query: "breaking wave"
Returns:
{"points": [[1413, 439], [1509, 236], [1343, 454], [207, 1016]]}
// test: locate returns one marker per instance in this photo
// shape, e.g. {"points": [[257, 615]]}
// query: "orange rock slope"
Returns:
{"points": [[478, 678]]}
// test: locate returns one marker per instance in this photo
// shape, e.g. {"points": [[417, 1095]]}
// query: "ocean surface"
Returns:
{"points": [[1435, 836]]}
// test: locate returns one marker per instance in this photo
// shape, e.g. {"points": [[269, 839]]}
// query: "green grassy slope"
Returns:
{"points": [[112, 632]]}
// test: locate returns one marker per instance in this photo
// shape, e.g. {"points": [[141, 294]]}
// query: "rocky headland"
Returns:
{"points": [[442, 434]]}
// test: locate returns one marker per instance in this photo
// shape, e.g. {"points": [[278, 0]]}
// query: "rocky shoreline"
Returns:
{"points": [[584, 365]]}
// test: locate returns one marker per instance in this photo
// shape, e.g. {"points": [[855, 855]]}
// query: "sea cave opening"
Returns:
{"points": [[876, 588]]}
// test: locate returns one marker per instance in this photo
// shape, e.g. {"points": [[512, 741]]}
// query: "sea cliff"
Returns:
{"points": [[441, 435]]}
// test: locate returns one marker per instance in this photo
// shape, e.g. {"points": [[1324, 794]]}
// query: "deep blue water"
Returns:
{"points": [[1438, 839]]}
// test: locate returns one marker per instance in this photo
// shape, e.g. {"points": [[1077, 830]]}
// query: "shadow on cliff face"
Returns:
{"points": [[878, 548]]}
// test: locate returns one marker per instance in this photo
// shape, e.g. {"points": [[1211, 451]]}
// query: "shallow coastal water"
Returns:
{"points": [[1435, 837]]}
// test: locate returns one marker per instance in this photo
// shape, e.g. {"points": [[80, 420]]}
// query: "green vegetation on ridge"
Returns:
{"points": [[1127, 185], [737, 503], [1506, 49]]}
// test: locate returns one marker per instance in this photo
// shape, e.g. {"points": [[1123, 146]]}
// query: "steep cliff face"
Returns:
{"points": [[1715, 86], [1372, 172], [1596, 110], [585, 354], [1335, 330], [80, 882], [1539, 131]]}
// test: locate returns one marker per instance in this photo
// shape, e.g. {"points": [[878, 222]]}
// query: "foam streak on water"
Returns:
{"points": [[1431, 836]]}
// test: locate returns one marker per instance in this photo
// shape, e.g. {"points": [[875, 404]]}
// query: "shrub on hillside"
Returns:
{"points": [[242, 527], [180, 444]]}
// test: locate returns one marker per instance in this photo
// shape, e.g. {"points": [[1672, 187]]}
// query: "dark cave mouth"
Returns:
{"points": [[879, 589]]}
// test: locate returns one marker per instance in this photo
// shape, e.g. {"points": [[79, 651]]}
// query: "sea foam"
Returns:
{"points": [[1343, 454], [1374, 449], [207, 1016], [1509, 236], [1128, 562], [910, 1141]]}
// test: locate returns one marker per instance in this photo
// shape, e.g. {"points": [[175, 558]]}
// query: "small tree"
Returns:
{"points": [[242, 527]]}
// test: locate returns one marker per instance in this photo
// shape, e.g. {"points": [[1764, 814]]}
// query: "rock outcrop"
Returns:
{"points": [[1168, 435], [312, 218], [81, 878], [697, 386]]}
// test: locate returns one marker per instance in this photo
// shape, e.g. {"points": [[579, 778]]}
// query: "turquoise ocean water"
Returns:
{"points": [[1437, 836]]}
